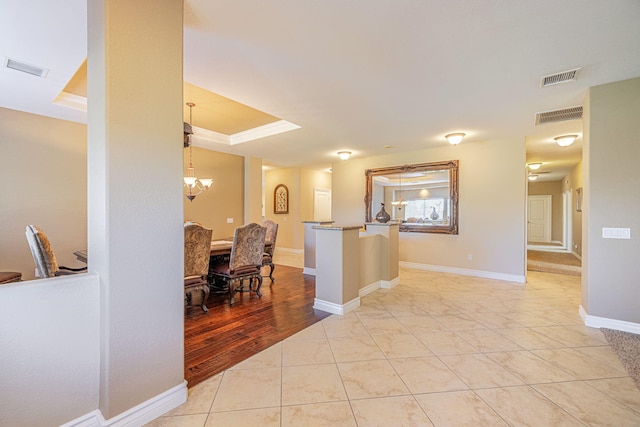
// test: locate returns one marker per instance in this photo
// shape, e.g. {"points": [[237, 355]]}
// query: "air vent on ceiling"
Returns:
{"points": [[557, 78], [571, 113], [26, 68]]}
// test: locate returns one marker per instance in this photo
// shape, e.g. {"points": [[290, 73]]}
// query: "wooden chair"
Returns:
{"points": [[270, 245], [197, 247], [244, 262], [44, 257]]}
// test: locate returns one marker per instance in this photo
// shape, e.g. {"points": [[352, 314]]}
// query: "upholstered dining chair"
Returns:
{"points": [[270, 245], [244, 262], [44, 257], [197, 247]]}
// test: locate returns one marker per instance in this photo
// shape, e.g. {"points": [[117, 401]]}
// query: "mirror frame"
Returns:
{"points": [[452, 166]]}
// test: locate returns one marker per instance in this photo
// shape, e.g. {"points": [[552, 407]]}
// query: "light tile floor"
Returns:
{"points": [[437, 350]]}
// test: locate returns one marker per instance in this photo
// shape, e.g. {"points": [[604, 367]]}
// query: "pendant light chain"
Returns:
{"points": [[194, 185]]}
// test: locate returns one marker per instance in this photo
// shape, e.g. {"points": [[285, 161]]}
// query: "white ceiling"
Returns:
{"points": [[359, 75]]}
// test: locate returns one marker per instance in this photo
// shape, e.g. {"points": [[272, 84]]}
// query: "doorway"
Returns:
{"points": [[539, 219], [544, 244], [321, 204]]}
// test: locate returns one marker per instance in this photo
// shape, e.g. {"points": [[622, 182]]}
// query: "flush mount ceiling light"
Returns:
{"points": [[344, 155], [532, 177], [454, 138], [565, 140], [534, 166]]}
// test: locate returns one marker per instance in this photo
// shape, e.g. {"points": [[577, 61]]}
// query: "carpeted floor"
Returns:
{"points": [[627, 347], [554, 262]]}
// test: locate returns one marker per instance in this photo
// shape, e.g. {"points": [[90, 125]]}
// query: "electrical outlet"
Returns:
{"points": [[229, 220], [470, 257]]}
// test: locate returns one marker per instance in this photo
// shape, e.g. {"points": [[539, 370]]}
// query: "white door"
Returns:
{"points": [[539, 219], [321, 204]]}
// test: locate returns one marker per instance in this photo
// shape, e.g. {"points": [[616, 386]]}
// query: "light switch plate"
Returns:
{"points": [[229, 220], [616, 233]]}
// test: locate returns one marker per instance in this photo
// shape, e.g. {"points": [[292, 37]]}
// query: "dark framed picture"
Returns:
{"points": [[281, 199], [579, 199]]}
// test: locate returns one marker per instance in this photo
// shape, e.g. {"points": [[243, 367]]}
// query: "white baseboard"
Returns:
{"points": [[542, 248], [604, 322], [465, 272], [308, 270], [366, 290], [140, 414], [289, 250], [333, 308], [87, 420], [388, 284]]}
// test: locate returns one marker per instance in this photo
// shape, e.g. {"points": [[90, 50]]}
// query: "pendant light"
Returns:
{"points": [[193, 185], [400, 203]]}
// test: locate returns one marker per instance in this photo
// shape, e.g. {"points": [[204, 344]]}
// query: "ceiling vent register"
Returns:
{"points": [[571, 113], [557, 78], [26, 68]]}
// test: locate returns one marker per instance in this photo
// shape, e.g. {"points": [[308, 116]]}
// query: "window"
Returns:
{"points": [[424, 209]]}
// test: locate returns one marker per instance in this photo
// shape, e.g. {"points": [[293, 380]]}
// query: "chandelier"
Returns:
{"points": [[193, 185], [400, 203]]}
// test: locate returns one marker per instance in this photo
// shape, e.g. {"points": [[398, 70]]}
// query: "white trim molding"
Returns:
{"points": [[333, 308], [388, 284], [274, 128], [517, 278], [308, 270], [604, 322], [371, 287], [204, 137], [72, 101], [138, 415], [87, 420], [289, 251]]}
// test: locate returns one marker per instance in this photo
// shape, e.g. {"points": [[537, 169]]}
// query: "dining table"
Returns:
{"points": [[220, 251]]}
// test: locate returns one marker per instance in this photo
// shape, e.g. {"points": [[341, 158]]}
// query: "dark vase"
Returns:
{"points": [[434, 215], [382, 216]]}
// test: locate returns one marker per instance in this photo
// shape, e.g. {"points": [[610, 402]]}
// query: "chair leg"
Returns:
{"points": [[271, 268], [259, 279], [231, 293], [205, 297]]}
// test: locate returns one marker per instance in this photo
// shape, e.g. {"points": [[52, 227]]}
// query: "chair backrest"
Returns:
{"points": [[43, 255], [248, 247], [272, 235], [197, 247]]}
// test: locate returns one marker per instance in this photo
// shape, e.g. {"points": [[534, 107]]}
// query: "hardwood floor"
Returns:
{"points": [[228, 334]]}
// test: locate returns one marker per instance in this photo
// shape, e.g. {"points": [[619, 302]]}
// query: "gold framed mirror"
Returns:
{"points": [[422, 198]]}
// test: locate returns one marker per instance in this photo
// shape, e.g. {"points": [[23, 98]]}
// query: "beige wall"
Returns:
{"points": [[300, 182], [43, 181], [253, 191], [554, 189], [492, 206], [572, 182], [611, 199], [290, 229], [310, 179], [225, 199]]}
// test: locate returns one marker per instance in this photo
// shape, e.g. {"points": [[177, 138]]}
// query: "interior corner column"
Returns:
{"points": [[337, 268], [389, 253], [253, 189], [135, 211]]}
